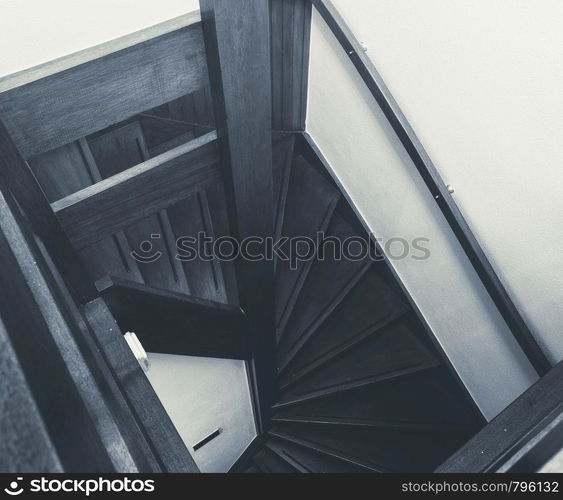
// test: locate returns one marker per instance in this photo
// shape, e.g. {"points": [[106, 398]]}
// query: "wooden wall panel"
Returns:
{"points": [[290, 31], [63, 107]]}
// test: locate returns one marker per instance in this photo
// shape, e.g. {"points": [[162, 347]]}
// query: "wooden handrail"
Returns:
{"points": [[434, 183]]}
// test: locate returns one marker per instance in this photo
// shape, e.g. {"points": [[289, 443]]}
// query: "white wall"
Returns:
{"points": [[201, 395], [33, 32], [481, 83], [376, 172]]}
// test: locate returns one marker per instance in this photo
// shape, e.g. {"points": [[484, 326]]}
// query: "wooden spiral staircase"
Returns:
{"points": [[345, 376]]}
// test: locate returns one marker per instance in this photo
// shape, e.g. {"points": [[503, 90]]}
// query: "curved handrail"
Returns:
{"points": [[435, 184]]}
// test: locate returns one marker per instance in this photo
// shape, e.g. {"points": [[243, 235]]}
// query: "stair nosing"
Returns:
{"points": [[358, 384]]}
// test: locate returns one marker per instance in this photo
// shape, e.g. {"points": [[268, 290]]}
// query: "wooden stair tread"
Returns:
{"points": [[310, 203], [328, 282], [369, 306]]}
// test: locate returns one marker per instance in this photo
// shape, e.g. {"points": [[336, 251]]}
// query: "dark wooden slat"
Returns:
{"points": [[312, 461], [385, 449], [66, 170], [25, 445], [17, 177], [173, 323], [435, 184], [61, 108], [271, 463], [190, 218], [311, 201], [119, 149], [281, 453], [281, 433], [220, 220], [328, 282], [512, 429], [429, 398], [117, 202], [283, 145], [290, 27], [237, 39], [166, 443], [370, 306], [32, 321], [394, 349]]}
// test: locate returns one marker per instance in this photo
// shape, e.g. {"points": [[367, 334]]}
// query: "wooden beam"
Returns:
{"points": [[166, 444], [496, 445], [173, 323], [237, 39], [66, 106], [102, 209], [17, 177], [290, 30], [31, 322]]}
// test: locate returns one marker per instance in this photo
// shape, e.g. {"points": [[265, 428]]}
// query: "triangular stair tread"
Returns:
{"points": [[283, 146], [271, 463], [387, 449], [311, 201], [369, 306], [313, 462], [287, 436], [327, 283], [426, 398], [393, 349]]}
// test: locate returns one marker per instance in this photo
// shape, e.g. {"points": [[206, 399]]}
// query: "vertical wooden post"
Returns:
{"points": [[237, 38]]}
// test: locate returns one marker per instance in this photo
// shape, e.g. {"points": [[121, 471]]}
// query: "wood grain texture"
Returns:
{"points": [[237, 39], [173, 323], [166, 443], [511, 429], [66, 170], [108, 206], [63, 107], [291, 25], [33, 322], [16, 176], [25, 445]]}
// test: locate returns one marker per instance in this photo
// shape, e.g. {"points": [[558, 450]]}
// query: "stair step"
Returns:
{"points": [[283, 146], [312, 461], [370, 305], [427, 399], [384, 449], [280, 451], [392, 351], [270, 463], [327, 284], [311, 201], [320, 449]]}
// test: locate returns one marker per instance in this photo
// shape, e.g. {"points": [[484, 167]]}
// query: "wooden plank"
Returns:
{"points": [[117, 202], [189, 219], [25, 445], [17, 177], [117, 150], [32, 322], [63, 107], [66, 170], [237, 39], [166, 443], [172, 323], [511, 429], [290, 32]]}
